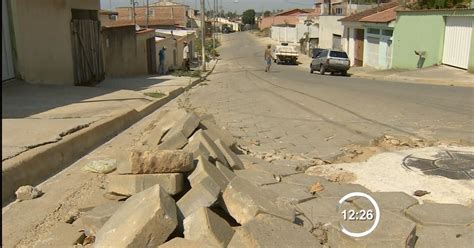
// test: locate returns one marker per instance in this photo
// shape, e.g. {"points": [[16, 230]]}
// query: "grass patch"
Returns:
{"points": [[155, 94], [181, 73]]}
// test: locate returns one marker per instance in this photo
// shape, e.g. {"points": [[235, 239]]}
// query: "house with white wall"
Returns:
{"points": [[368, 36]]}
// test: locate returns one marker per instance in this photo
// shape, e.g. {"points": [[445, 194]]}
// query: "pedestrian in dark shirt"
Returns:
{"points": [[161, 68]]}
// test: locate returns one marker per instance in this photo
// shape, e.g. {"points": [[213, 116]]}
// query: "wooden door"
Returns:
{"points": [[359, 47]]}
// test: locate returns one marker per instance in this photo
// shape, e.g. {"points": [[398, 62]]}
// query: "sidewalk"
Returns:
{"points": [[438, 75], [46, 127]]}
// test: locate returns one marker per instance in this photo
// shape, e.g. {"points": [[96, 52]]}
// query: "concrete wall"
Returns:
{"points": [[417, 32], [329, 25], [174, 46], [267, 22], [42, 36], [124, 51], [168, 14], [470, 67]]}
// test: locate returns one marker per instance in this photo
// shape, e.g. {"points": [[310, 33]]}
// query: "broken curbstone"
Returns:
{"points": [[197, 149], [244, 201], [184, 243], [217, 133], [157, 161], [256, 177], [201, 137], [226, 172], [62, 235], [205, 169], [173, 141], [95, 218], [145, 219], [429, 214], [293, 194], [172, 183], [203, 194], [187, 124], [205, 224], [232, 159]]}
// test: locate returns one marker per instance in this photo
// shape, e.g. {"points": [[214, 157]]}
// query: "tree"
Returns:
{"points": [[267, 13], [248, 17]]}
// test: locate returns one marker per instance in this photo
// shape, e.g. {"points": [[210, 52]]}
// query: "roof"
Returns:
{"points": [[434, 10], [107, 12], [289, 11], [383, 13], [142, 22]]}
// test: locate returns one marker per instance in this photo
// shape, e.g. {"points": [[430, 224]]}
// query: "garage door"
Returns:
{"points": [[7, 62], [457, 40], [372, 52]]}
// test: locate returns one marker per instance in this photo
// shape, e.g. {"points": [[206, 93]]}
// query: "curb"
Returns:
{"points": [[414, 80], [37, 165]]}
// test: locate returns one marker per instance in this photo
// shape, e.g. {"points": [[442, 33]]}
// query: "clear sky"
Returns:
{"points": [[228, 5]]}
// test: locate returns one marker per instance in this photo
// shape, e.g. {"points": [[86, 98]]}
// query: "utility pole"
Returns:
{"points": [[147, 12], [214, 27], [203, 35]]}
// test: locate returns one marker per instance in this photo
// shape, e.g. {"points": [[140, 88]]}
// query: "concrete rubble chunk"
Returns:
{"points": [[226, 172], [444, 236], [256, 177], [393, 230], [27, 192], [203, 194], [205, 169], [205, 224], [184, 243], [304, 180], [274, 169], [430, 214], [197, 149], [217, 133], [145, 219], [293, 194], [339, 190], [157, 161], [244, 201], [172, 183], [393, 201], [269, 231], [173, 141], [229, 155], [94, 219], [62, 235], [162, 126], [201, 137], [320, 210]]}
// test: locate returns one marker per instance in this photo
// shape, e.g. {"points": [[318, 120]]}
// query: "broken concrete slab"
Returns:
{"points": [[291, 193], [229, 155], [197, 149], [392, 201], [304, 180], [274, 169], [226, 172], [205, 169], [243, 200], [183, 243], [320, 210], [145, 219], [269, 231], [217, 133], [173, 141], [339, 190], [95, 218], [62, 235], [256, 177], [444, 236], [393, 230], [157, 161], [205, 224], [203, 194], [172, 183], [452, 214], [201, 136]]}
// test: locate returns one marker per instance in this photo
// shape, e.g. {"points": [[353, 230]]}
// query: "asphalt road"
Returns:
{"points": [[289, 109]]}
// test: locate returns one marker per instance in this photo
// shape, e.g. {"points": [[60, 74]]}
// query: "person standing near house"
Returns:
{"points": [[161, 54], [186, 56], [268, 57]]}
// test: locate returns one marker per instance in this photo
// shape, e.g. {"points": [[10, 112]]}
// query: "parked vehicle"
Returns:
{"points": [[285, 53], [316, 51], [330, 61]]}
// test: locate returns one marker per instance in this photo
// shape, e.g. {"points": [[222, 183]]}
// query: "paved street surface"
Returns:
{"points": [[292, 111]]}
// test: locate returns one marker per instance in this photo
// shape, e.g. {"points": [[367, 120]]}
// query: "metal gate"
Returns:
{"points": [[7, 59], [87, 52], [336, 42], [457, 41], [372, 58]]}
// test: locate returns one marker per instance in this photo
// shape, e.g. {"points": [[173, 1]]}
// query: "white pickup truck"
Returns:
{"points": [[285, 53]]}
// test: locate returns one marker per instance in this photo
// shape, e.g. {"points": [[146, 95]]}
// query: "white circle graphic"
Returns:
{"points": [[377, 214]]}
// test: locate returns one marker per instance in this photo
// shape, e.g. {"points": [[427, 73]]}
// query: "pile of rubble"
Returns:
{"points": [[183, 186]]}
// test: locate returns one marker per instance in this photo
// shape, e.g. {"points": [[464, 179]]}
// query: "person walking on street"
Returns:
{"points": [[161, 54], [268, 57], [186, 56]]}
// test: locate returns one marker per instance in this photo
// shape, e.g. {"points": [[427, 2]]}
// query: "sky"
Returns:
{"points": [[229, 5]]}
